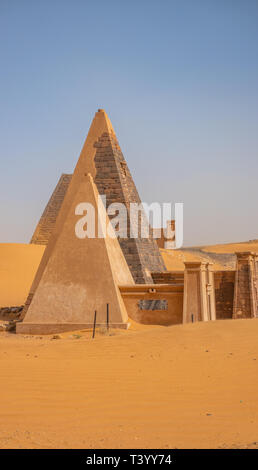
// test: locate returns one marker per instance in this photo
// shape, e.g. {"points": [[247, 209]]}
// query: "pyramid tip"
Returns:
{"points": [[100, 114]]}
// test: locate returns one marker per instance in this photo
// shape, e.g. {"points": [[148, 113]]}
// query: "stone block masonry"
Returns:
{"points": [[47, 221], [168, 277], [246, 286], [113, 178], [102, 160], [224, 294]]}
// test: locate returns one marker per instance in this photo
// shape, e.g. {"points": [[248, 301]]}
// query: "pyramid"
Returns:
{"points": [[80, 276], [47, 221], [102, 157]]}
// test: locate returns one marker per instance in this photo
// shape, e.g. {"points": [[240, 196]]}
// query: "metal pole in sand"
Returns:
{"points": [[107, 317], [94, 324]]}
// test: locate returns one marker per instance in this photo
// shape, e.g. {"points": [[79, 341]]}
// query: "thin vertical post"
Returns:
{"points": [[94, 324], [107, 317]]}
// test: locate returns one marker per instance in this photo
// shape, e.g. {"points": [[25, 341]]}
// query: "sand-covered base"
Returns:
{"points": [[150, 387]]}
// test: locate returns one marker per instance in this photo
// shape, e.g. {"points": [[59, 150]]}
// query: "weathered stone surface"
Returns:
{"points": [[11, 313], [246, 286], [224, 294], [157, 304], [8, 326], [165, 238], [168, 277], [102, 157], [114, 180], [47, 221], [199, 295], [81, 276]]}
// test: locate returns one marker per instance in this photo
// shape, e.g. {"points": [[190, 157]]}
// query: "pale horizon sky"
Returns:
{"points": [[179, 81]]}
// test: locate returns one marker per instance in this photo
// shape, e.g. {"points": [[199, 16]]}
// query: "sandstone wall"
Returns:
{"points": [[246, 281], [224, 293], [168, 277], [154, 304]]}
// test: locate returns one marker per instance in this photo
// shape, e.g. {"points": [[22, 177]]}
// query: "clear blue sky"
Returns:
{"points": [[179, 81]]}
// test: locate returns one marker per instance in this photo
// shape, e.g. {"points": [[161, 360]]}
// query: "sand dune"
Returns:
{"points": [[175, 259], [222, 256], [18, 265], [182, 386], [232, 247], [19, 262]]}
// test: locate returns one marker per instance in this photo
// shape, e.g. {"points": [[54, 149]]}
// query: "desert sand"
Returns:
{"points": [[191, 385], [222, 256], [252, 245], [19, 262], [18, 266]]}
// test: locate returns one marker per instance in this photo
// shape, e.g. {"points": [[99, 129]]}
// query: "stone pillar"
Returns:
{"points": [[245, 293], [256, 283], [199, 294], [210, 288], [194, 308]]}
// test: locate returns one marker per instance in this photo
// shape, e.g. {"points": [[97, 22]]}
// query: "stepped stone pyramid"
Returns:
{"points": [[102, 157], [48, 219], [80, 276]]}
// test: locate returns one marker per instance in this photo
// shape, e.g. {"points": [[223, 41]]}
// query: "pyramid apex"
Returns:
{"points": [[102, 120]]}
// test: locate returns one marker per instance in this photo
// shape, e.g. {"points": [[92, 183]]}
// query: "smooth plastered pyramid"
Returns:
{"points": [[78, 275]]}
